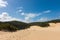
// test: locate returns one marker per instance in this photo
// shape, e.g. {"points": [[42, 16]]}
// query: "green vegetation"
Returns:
{"points": [[42, 24], [17, 25], [54, 21], [13, 26]]}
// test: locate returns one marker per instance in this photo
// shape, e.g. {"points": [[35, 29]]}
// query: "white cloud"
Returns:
{"points": [[22, 13], [32, 15], [48, 11], [19, 11], [5, 17], [29, 16], [43, 19], [3, 3]]}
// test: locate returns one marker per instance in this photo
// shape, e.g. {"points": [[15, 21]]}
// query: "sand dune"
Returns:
{"points": [[34, 33]]}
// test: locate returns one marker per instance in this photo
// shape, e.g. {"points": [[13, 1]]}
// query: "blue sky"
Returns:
{"points": [[30, 10]]}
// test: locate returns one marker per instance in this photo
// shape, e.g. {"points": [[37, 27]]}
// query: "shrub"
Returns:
{"points": [[41, 24]]}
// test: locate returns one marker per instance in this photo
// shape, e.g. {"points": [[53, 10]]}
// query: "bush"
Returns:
{"points": [[8, 27], [42, 24], [13, 26]]}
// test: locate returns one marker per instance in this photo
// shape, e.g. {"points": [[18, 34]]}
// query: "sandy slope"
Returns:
{"points": [[34, 33]]}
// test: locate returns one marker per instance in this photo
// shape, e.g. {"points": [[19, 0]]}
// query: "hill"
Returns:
{"points": [[13, 26], [17, 25]]}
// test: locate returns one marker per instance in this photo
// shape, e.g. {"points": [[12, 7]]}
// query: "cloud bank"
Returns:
{"points": [[6, 17], [29, 16]]}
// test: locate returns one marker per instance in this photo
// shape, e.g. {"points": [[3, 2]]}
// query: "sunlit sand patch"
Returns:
{"points": [[52, 24]]}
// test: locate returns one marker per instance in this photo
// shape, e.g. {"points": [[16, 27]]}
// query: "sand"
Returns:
{"points": [[34, 33]]}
